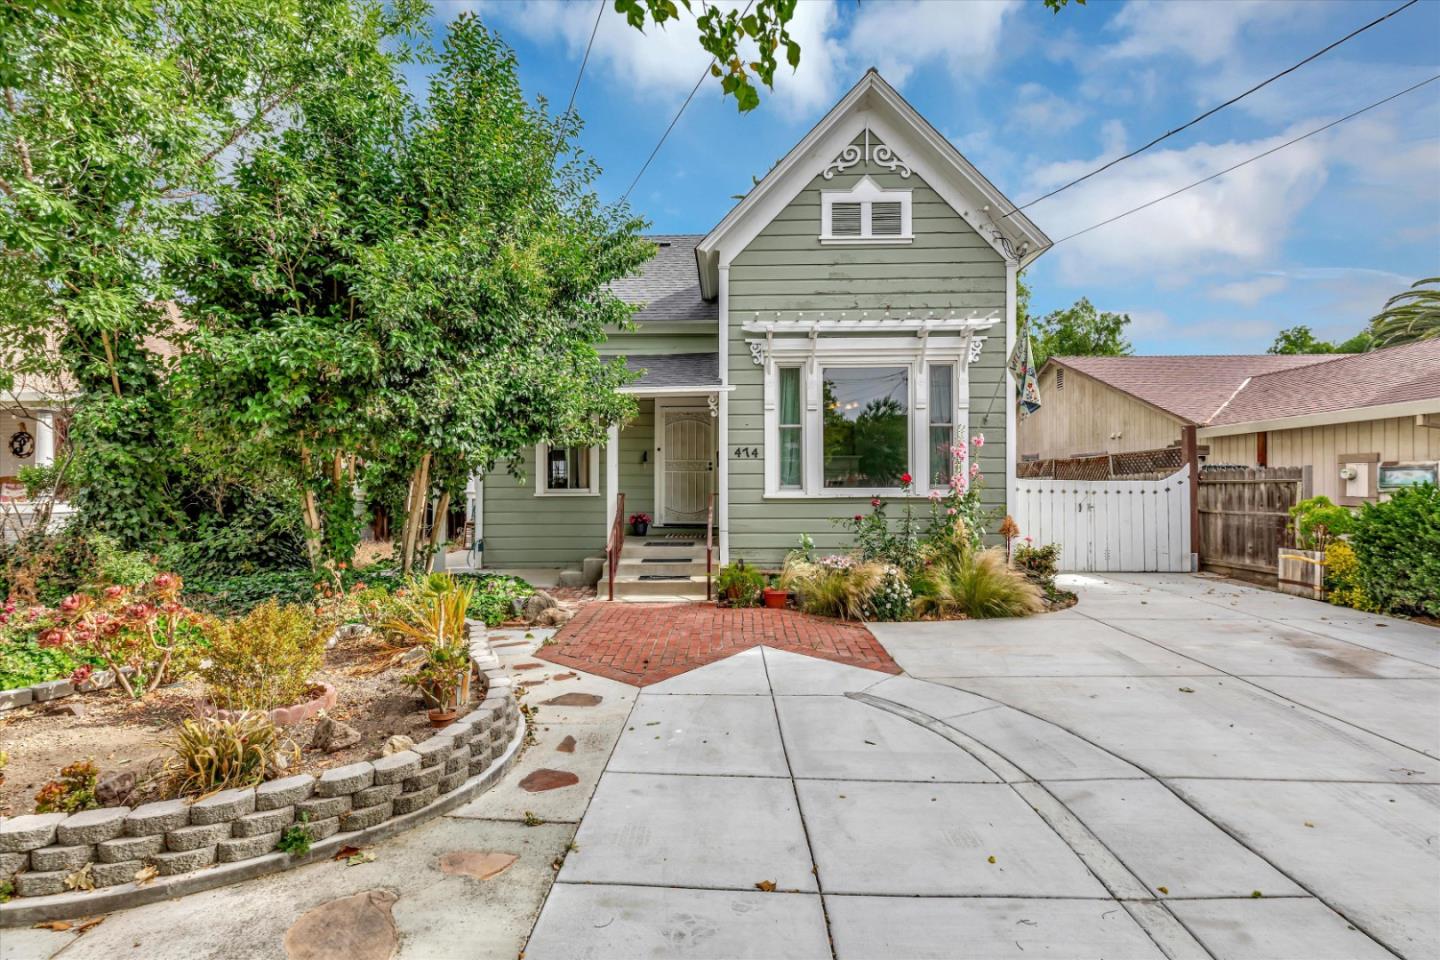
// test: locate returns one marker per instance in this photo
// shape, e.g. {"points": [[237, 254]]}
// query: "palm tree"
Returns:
{"points": [[1409, 317]]}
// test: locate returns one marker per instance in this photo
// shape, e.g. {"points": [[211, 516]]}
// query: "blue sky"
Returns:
{"points": [[1320, 233]]}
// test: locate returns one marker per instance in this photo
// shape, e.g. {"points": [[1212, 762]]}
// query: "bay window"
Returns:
{"points": [[851, 417]]}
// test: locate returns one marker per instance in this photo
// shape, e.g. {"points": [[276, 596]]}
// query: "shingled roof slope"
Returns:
{"points": [[668, 284], [1191, 388], [1345, 381]]}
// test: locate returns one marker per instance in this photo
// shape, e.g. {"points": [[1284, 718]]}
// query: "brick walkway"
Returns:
{"points": [[646, 643]]}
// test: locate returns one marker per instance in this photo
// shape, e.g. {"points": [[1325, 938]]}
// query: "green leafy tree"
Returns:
{"points": [[493, 290], [1301, 339], [1080, 330], [1409, 316], [119, 119]]}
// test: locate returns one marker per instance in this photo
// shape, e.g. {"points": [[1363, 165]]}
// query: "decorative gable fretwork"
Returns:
{"points": [[872, 152]]}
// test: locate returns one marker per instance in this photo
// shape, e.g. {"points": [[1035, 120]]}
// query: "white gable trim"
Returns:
{"points": [[873, 104]]}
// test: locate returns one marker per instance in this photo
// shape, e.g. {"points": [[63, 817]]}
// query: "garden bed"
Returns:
{"points": [[122, 734]]}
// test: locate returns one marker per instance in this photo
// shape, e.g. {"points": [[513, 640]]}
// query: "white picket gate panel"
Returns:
{"points": [[1115, 526]]}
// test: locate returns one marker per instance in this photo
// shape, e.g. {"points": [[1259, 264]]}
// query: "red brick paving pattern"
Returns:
{"points": [[645, 643]]}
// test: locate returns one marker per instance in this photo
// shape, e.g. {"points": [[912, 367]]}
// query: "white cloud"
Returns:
{"points": [[1249, 292], [1199, 30], [1239, 219], [899, 37], [1039, 110]]}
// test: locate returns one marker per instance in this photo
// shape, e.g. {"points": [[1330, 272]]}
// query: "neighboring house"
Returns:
{"points": [[844, 324], [1343, 415]]}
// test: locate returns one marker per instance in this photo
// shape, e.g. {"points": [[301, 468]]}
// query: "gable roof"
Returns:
{"points": [[667, 285], [1192, 388], [875, 104], [1347, 381]]}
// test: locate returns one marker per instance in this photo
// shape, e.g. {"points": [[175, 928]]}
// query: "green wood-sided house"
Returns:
{"points": [[845, 323]]}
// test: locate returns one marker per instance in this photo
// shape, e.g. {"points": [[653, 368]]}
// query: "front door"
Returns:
{"points": [[685, 454]]}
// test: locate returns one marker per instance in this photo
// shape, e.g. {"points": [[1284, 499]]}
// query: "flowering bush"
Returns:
{"points": [[891, 599], [1342, 578], [145, 628], [73, 792]]}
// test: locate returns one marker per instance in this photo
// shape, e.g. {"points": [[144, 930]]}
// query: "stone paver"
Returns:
{"points": [[687, 733], [1251, 929], [647, 643]]}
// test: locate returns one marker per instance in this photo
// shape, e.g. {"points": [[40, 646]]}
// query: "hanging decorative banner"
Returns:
{"points": [[1022, 368]]}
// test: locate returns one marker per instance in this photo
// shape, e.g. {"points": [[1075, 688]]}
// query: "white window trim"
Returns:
{"points": [[541, 475], [865, 192], [812, 356]]}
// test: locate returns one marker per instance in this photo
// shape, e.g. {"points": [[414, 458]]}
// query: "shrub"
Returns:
{"points": [[1398, 545], [113, 566], [264, 659], [25, 663], [492, 600], [977, 585], [1342, 578], [839, 587], [740, 584], [73, 792], [1317, 521], [1039, 564], [146, 629], [214, 754]]}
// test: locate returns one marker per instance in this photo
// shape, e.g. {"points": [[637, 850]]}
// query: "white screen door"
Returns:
{"points": [[687, 456]]}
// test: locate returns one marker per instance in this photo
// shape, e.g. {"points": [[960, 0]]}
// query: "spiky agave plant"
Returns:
{"points": [[974, 585]]}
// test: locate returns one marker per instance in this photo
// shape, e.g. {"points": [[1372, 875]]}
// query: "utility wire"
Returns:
{"points": [[593, 30], [1258, 156], [626, 195], [1214, 110]]}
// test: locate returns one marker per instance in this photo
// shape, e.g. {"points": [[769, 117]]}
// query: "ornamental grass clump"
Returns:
{"points": [[838, 586], [264, 659], [977, 585], [214, 754]]}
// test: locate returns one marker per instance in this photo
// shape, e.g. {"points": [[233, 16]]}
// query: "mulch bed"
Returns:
{"points": [[123, 734]]}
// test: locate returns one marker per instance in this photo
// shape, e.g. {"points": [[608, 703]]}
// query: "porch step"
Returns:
{"points": [[682, 587], [631, 569], [660, 550]]}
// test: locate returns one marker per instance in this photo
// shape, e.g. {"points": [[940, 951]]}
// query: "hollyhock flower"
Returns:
{"points": [[978, 439], [935, 496], [950, 512], [974, 470]]}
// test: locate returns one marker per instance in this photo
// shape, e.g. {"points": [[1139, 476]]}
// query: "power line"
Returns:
{"points": [[676, 118], [1258, 156], [593, 30], [1214, 110]]}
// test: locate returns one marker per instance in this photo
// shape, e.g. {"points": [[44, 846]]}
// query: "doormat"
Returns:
{"points": [[664, 576]]}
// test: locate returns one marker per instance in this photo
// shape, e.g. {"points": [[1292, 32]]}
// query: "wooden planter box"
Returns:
{"points": [[1302, 572]]}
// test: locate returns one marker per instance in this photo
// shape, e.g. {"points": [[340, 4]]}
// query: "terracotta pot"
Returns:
{"points": [[776, 599], [442, 718], [322, 694]]}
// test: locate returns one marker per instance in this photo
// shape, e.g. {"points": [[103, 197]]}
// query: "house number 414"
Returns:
{"points": [[747, 453]]}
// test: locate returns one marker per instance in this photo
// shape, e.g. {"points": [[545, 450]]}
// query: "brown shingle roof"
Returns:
{"points": [[1344, 382], [1191, 388]]}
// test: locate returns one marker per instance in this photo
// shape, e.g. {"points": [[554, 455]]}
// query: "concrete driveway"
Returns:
{"points": [[1177, 767]]}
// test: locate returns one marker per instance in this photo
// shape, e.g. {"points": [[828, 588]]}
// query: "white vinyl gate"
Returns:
{"points": [[1114, 526]]}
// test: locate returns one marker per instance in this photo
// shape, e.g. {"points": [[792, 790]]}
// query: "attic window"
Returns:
{"points": [[866, 213]]}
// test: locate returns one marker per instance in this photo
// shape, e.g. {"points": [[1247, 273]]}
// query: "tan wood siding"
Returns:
{"points": [[787, 268], [1089, 416], [1397, 438]]}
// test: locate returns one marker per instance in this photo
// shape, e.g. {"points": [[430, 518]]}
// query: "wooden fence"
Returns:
{"points": [[1110, 525], [1244, 516]]}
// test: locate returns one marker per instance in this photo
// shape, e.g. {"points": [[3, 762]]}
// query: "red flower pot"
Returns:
{"points": [[776, 599]]}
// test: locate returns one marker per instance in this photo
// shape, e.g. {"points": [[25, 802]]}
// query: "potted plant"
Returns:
{"points": [[774, 597], [739, 585], [1316, 523], [443, 677], [640, 523]]}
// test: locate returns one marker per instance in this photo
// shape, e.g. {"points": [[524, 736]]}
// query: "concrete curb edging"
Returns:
{"points": [[71, 904]]}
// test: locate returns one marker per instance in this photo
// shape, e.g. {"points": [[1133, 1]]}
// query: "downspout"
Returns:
{"points": [[1012, 446], [722, 433]]}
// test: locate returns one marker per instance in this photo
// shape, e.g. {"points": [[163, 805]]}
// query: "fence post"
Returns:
{"points": [[1190, 450]]}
